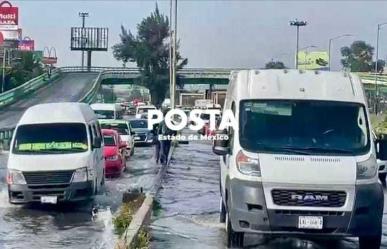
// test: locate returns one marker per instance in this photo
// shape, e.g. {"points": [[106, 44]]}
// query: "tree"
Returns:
{"points": [[381, 64], [149, 49], [275, 65], [22, 68], [358, 57]]}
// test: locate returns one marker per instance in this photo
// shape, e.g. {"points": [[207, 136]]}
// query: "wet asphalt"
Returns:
{"points": [[188, 212], [72, 226]]}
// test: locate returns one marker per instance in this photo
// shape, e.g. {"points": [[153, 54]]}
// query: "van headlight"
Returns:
{"points": [[366, 169], [247, 165], [80, 175], [15, 177]]}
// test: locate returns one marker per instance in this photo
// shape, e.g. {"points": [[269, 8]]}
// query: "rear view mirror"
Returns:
{"points": [[96, 143], [221, 146], [382, 151]]}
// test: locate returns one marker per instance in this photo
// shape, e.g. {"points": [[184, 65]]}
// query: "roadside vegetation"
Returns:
{"points": [[125, 215], [142, 240], [21, 68]]}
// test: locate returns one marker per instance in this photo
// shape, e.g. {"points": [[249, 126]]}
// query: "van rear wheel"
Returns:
{"points": [[370, 242], [234, 239], [222, 215]]}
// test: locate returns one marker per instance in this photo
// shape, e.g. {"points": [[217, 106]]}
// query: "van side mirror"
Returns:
{"points": [[221, 147], [96, 142]]}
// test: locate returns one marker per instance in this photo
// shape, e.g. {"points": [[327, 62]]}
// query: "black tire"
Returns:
{"points": [[382, 178], [222, 216], [234, 239], [103, 179], [132, 151], [370, 242]]}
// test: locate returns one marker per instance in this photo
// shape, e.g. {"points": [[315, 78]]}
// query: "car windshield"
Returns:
{"points": [[136, 124], [109, 140], [317, 127], [50, 138], [104, 114], [121, 128]]}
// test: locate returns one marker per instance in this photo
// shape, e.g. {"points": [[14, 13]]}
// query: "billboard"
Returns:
{"points": [[89, 39], [11, 34], [316, 60], [27, 45], [9, 15]]}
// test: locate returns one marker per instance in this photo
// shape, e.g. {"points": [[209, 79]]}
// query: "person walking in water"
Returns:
{"points": [[156, 142], [165, 144]]}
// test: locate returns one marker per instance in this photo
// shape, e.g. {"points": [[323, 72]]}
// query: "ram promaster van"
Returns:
{"points": [[55, 155], [301, 160]]}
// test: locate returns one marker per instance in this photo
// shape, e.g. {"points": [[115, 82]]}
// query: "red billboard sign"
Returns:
{"points": [[9, 15], [27, 45]]}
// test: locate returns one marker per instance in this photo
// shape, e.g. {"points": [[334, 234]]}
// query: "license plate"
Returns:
{"points": [[137, 138], [49, 199], [310, 222]]}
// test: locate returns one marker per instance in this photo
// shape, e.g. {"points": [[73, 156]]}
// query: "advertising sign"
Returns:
{"points": [[89, 39], [11, 34], [9, 15], [27, 45], [316, 60]]}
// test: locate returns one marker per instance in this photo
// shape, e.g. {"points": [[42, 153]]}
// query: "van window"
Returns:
{"points": [[304, 126], [50, 138]]}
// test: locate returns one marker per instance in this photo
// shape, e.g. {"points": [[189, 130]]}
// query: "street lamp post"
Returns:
{"points": [[298, 24], [330, 45], [376, 67], [83, 15]]}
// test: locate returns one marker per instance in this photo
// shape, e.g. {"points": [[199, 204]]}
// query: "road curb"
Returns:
{"points": [[143, 214]]}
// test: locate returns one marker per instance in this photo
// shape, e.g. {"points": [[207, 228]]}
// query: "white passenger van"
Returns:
{"points": [[301, 160], [107, 111], [55, 155], [142, 110]]}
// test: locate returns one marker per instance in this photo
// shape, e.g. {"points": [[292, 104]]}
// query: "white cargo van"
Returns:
{"points": [[55, 155], [301, 160], [107, 111]]}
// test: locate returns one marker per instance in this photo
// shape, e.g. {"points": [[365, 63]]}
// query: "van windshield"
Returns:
{"points": [[104, 114], [50, 138], [303, 126]]}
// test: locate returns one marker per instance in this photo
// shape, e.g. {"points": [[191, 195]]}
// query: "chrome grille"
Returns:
{"points": [[48, 177], [283, 197]]}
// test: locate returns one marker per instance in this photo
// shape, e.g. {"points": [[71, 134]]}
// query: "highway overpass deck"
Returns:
{"points": [[69, 87]]}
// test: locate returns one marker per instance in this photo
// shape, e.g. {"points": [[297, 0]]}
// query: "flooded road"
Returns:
{"points": [[72, 226], [189, 208]]}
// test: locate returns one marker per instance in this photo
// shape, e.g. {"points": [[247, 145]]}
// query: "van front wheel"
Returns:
{"points": [[234, 239], [370, 242]]}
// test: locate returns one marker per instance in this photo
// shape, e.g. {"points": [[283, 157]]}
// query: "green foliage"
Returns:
{"points": [[125, 215], [21, 69], [149, 49], [358, 57], [142, 240], [275, 65]]}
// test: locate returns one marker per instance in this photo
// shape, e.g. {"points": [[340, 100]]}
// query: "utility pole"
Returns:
{"points": [[170, 50], [3, 76], [376, 67], [330, 45], [174, 60], [298, 24], [83, 15]]}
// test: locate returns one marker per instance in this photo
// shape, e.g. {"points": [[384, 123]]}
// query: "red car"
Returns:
{"points": [[114, 149]]}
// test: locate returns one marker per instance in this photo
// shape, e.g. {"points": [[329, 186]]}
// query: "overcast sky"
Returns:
{"points": [[230, 34]]}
